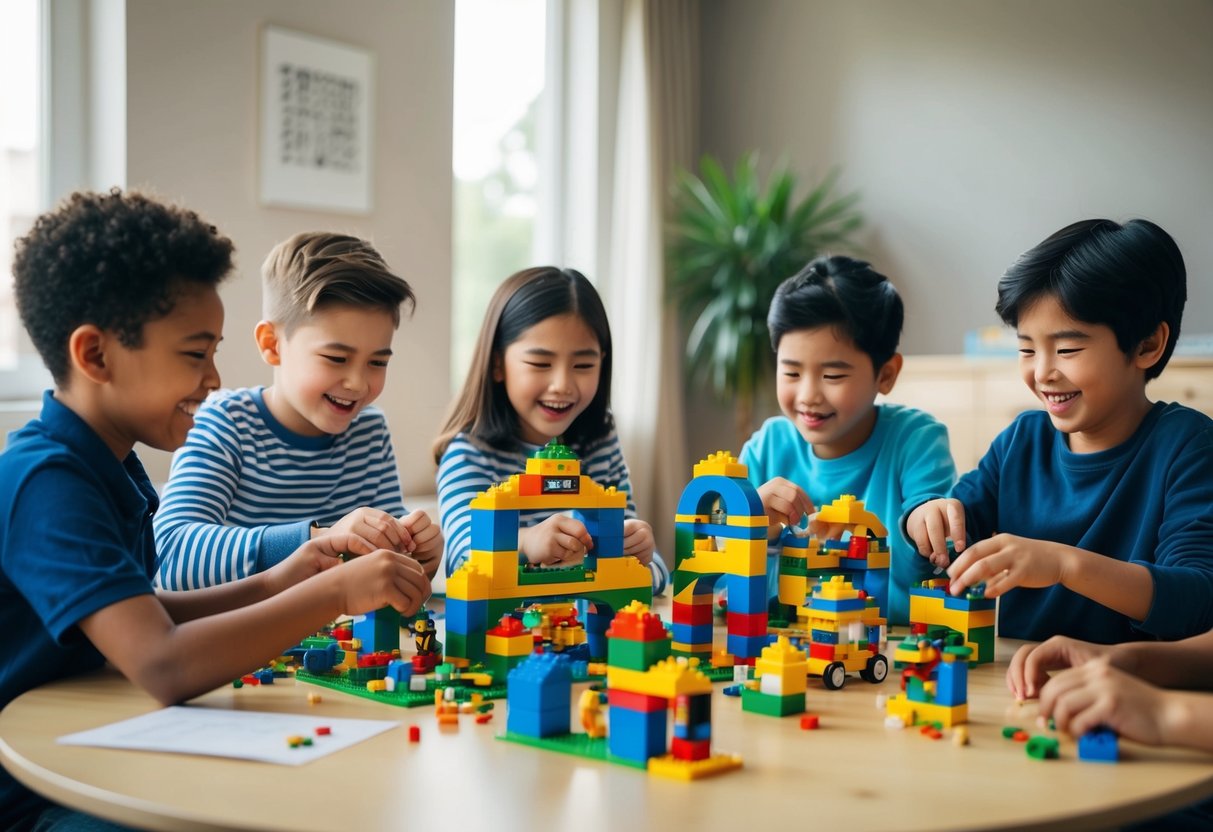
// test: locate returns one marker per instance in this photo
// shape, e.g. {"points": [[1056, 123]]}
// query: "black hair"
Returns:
{"points": [[116, 260], [524, 299], [844, 293], [1128, 277]]}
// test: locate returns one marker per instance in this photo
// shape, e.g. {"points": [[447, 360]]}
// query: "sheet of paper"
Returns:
{"points": [[245, 735]]}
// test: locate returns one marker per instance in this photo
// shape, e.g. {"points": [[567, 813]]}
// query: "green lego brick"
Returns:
{"points": [[765, 703], [402, 697], [636, 655], [550, 575], [578, 745]]}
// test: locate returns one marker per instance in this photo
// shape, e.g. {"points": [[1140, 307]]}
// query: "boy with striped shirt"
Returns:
{"points": [[265, 469]]}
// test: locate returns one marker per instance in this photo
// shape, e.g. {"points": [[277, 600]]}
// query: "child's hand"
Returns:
{"points": [[784, 502], [1083, 698], [1006, 561], [1031, 664], [427, 540], [558, 540], [638, 540], [379, 527], [932, 524], [314, 557], [382, 578]]}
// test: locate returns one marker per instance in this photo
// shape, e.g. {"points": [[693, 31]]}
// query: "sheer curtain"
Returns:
{"points": [[655, 135], [623, 80]]}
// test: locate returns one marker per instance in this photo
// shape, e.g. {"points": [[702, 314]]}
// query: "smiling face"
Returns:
{"points": [[155, 389], [827, 387], [1091, 390], [551, 375], [328, 369]]}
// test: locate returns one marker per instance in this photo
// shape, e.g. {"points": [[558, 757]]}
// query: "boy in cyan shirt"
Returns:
{"points": [[835, 327], [1094, 517], [265, 469], [118, 294]]}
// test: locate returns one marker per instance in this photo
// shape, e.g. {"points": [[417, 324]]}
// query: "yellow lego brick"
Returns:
{"points": [[668, 766], [911, 712], [468, 582], [836, 588], [781, 654], [721, 463], [667, 679], [848, 511], [739, 557], [692, 518], [793, 589], [554, 467], [509, 645], [747, 521]]}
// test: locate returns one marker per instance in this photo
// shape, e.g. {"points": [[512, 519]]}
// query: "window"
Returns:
{"points": [[499, 92], [20, 180]]}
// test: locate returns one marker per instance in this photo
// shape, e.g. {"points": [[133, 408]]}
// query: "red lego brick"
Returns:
{"points": [[414, 733], [693, 613], [636, 701], [821, 651], [810, 722], [747, 624], [323, 730], [682, 749]]}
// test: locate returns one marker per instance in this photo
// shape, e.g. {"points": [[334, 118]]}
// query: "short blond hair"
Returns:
{"points": [[314, 269]]}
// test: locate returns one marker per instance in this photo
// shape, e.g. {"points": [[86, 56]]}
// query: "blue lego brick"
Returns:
{"points": [[265, 676], [951, 683], [840, 605], [401, 671], [746, 646], [596, 624], [494, 530], [544, 723], [319, 660], [747, 595], [788, 540], [694, 733], [692, 633], [608, 546], [823, 637], [466, 616], [875, 582], [737, 496], [1101, 745], [543, 681], [636, 735], [968, 604]]}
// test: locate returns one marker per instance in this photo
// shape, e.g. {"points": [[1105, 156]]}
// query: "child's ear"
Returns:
{"points": [[887, 377], [86, 351], [266, 335], [1151, 348]]}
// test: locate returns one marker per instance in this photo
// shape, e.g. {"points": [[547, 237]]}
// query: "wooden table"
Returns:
{"points": [[853, 773]]}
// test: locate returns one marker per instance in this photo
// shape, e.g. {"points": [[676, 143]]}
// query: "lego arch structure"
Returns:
{"points": [[699, 561]]}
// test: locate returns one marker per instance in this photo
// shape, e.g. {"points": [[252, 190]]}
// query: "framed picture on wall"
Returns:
{"points": [[317, 98]]}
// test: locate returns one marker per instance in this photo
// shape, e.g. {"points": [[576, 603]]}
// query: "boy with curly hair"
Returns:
{"points": [[267, 468], [118, 293]]}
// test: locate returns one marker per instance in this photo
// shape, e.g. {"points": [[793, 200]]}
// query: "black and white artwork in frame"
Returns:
{"points": [[316, 121]]}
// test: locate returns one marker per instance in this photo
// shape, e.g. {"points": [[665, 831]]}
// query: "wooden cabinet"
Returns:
{"points": [[978, 397]]}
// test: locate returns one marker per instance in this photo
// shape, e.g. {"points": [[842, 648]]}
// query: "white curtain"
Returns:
{"points": [[655, 135]]}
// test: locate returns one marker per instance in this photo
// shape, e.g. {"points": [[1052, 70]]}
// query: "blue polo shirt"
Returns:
{"points": [[75, 537]]}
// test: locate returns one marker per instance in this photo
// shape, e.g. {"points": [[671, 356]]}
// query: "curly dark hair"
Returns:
{"points": [[116, 260]]}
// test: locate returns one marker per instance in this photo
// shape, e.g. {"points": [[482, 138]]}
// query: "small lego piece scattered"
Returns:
{"points": [[894, 722], [810, 722], [1009, 731], [929, 730], [294, 740], [482, 719], [1102, 745], [882, 699], [314, 699], [237, 683], [414, 733], [323, 730], [960, 735]]}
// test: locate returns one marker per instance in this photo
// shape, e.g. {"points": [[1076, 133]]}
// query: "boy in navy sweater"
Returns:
{"points": [[118, 294], [1093, 518]]}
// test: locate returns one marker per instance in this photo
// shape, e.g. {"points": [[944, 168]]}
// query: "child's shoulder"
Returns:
{"points": [[900, 418], [1183, 424]]}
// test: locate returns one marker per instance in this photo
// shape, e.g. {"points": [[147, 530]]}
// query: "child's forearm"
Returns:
{"points": [[1185, 664], [1187, 720], [190, 604], [1127, 588]]}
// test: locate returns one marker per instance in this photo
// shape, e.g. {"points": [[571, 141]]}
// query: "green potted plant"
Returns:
{"points": [[730, 244]]}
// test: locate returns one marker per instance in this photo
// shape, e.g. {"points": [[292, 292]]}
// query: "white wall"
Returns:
{"points": [[192, 70], [974, 129]]}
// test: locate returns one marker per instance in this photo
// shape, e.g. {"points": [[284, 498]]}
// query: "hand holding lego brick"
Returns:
{"points": [[1098, 694], [1032, 663], [427, 540], [1005, 561], [379, 527], [382, 578], [638, 540], [558, 540], [933, 524], [784, 502], [313, 557]]}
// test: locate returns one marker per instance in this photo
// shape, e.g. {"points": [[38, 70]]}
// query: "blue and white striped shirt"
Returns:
{"points": [[469, 467], [243, 490]]}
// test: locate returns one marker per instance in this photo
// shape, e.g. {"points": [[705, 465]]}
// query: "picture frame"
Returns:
{"points": [[316, 122]]}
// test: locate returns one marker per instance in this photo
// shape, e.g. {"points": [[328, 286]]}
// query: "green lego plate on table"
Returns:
{"points": [[401, 698], [578, 745]]}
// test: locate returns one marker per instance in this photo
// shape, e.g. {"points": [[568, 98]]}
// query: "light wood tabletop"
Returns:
{"points": [[852, 773]]}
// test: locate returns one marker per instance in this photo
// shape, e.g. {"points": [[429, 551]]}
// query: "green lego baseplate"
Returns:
{"points": [[403, 698], [578, 745]]}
